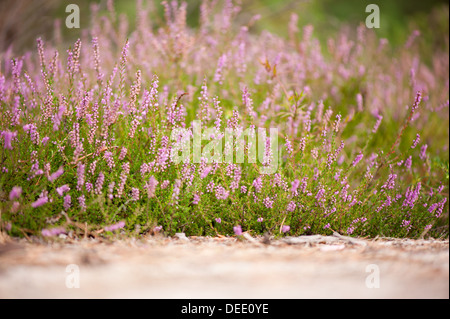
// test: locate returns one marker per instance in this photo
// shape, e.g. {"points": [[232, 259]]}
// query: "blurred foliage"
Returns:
{"points": [[22, 21]]}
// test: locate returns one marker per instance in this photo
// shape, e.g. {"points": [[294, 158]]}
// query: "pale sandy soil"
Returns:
{"points": [[158, 267]]}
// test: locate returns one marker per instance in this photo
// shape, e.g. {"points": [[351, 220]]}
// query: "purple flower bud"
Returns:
{"points": [[257, 184], [56, 174], [408, 162], [237, 230], [295, 184], [357, 159], [157, 229], [268, 202], [116, 226], [150, 186], [196, 199], [61, 190], [15, 192], [41, 201], [291, 206], [285, 228], [67, 202], [8, 137], [205, 171], [135, 194], [53, 232], [416, 141]]}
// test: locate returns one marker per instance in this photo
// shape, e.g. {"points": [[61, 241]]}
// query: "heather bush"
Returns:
{"points": [[87, 132]]}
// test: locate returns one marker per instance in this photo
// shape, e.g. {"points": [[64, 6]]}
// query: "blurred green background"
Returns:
{"points": [[22, 21]]}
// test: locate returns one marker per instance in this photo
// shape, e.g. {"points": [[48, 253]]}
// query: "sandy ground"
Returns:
{"points": [[194, 267]]}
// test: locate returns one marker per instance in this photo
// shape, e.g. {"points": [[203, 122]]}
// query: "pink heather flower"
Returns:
{"points": [[205, 171], [412, 194], [99, 183], [320, 194], [285, 228], [408, 162], [294, 186], [97, 59], [108, 156], [390, 183], [56, 174], [291, 206], [304, 185], [428, 227], [45, 140], [350, 230], [289, 147], [219, 113], [210, 187], [82, 202], [423, 152], [439, 207], [377, 124], [268, 202], [248, 102], [8, 226], [53, 232], [62, 189], [80, 174], [7, 138], [41, 201], [406, 224], [237, 230], [221, 192], [218, 220], [417, 101], [135, 193], [162, 159], [89, 187], [302, 144], [165, 184], [176, 191], [358, 159], [116, 226], [416, 141], [411, 38], [123, 178], [150, 186], [326, 226], [359, 102], [157, 229], [257, 184], [144, 169], [123, 153], [260, 220], [337, 123], [92, 167], [243, 189], [111, 190], [220, 65], [15, 192], [196, 199], [67, 202], [34, 134]]}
